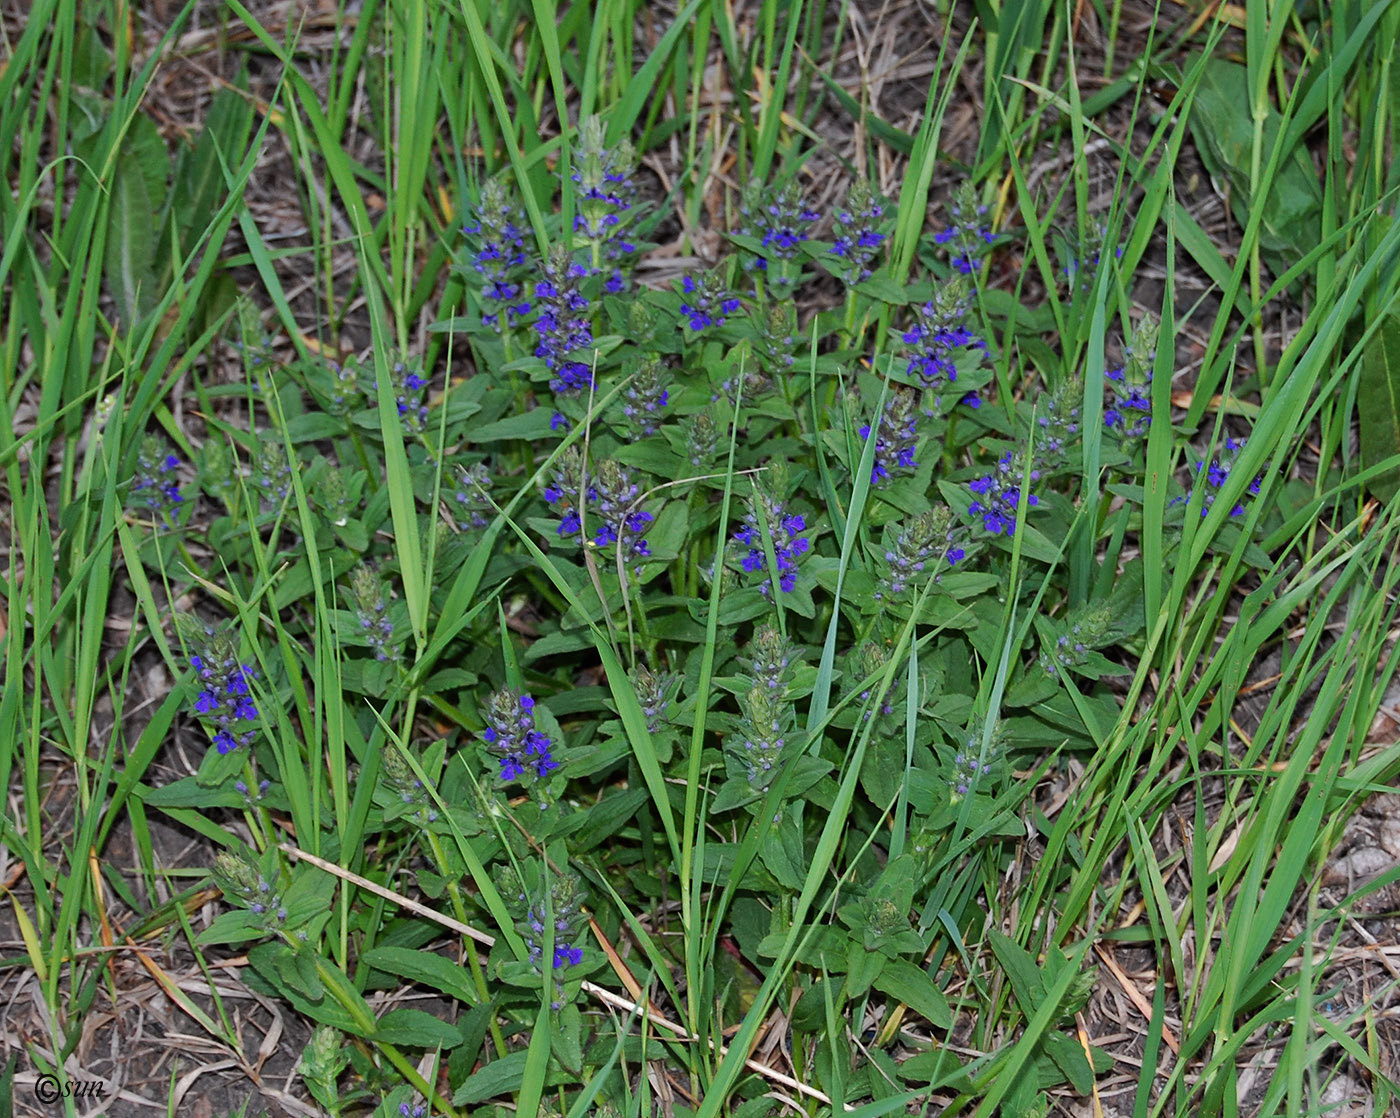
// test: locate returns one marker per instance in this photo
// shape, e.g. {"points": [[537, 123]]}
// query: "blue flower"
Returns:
{"points": [[1128, 413], [496, 257], [566, 956], [511, 735], [224, 700], [999, 495], [897, 437], [707, 303], [562, 326], [613, 498], [1217, 471], [966, 236], [858, 238], [939, 334], [928, 538], [606, 194], [644, 398], [154, 486], [779, 221], [784, 530]]}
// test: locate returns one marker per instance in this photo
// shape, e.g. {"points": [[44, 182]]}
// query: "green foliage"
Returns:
{"points": [[781, 647]]}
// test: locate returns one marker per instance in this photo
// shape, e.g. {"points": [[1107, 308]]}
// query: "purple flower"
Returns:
{"points": [[1217, 471], [611, 499], [566, 956], [938, 335], [1128, 413], [154, 485], [784, 530], [706, 303], [644, 398], [999, 495], [496, 258], [605, 193], [779, 220], [562, 327], [965, 236], [897, 437], [224, 700], [858, 238], [929, 537], [510, 734]]}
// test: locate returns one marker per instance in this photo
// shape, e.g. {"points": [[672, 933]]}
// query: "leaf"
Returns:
{"points": [[188, 792], [1223, 126], [1378, 402], [915, 987], [237, 926], [199, 182], [530, 425], [499, 1077], [129, 259], [416, 1029], [431, 970]]}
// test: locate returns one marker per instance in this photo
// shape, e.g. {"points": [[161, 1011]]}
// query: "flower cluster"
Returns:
{"points": [[779, 221], [272, 473], [371, 613], [606, 194], [225, 699], [470, 494], [409, 386], [770, 658], [896, 436], [974, 760], [966, 236], [762, 735], [967, 768], [1081, 632], [869, 660], [777, 336], [496, 255], [701, 439], [938, 335], [930, 536], [858, 237], [644, 398], [768, 716], [706, 302], [1217, 470], [1058, 424], [405, 790], [784, 530], [999, 494], [651, 691], [611, 495], [245, 883], [154, 486], [563, 904], [1128, 412], [562, 328], [511, 735], [1083, 264]]}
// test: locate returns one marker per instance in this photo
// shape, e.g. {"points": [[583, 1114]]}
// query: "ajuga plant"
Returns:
{"points": [[691, 637]]}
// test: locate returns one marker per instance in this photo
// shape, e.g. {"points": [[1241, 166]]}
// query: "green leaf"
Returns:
{"points": [[129, 260], [238, 926], [1378, 402], [915, 987], [424, 967], [416, 1029]]}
